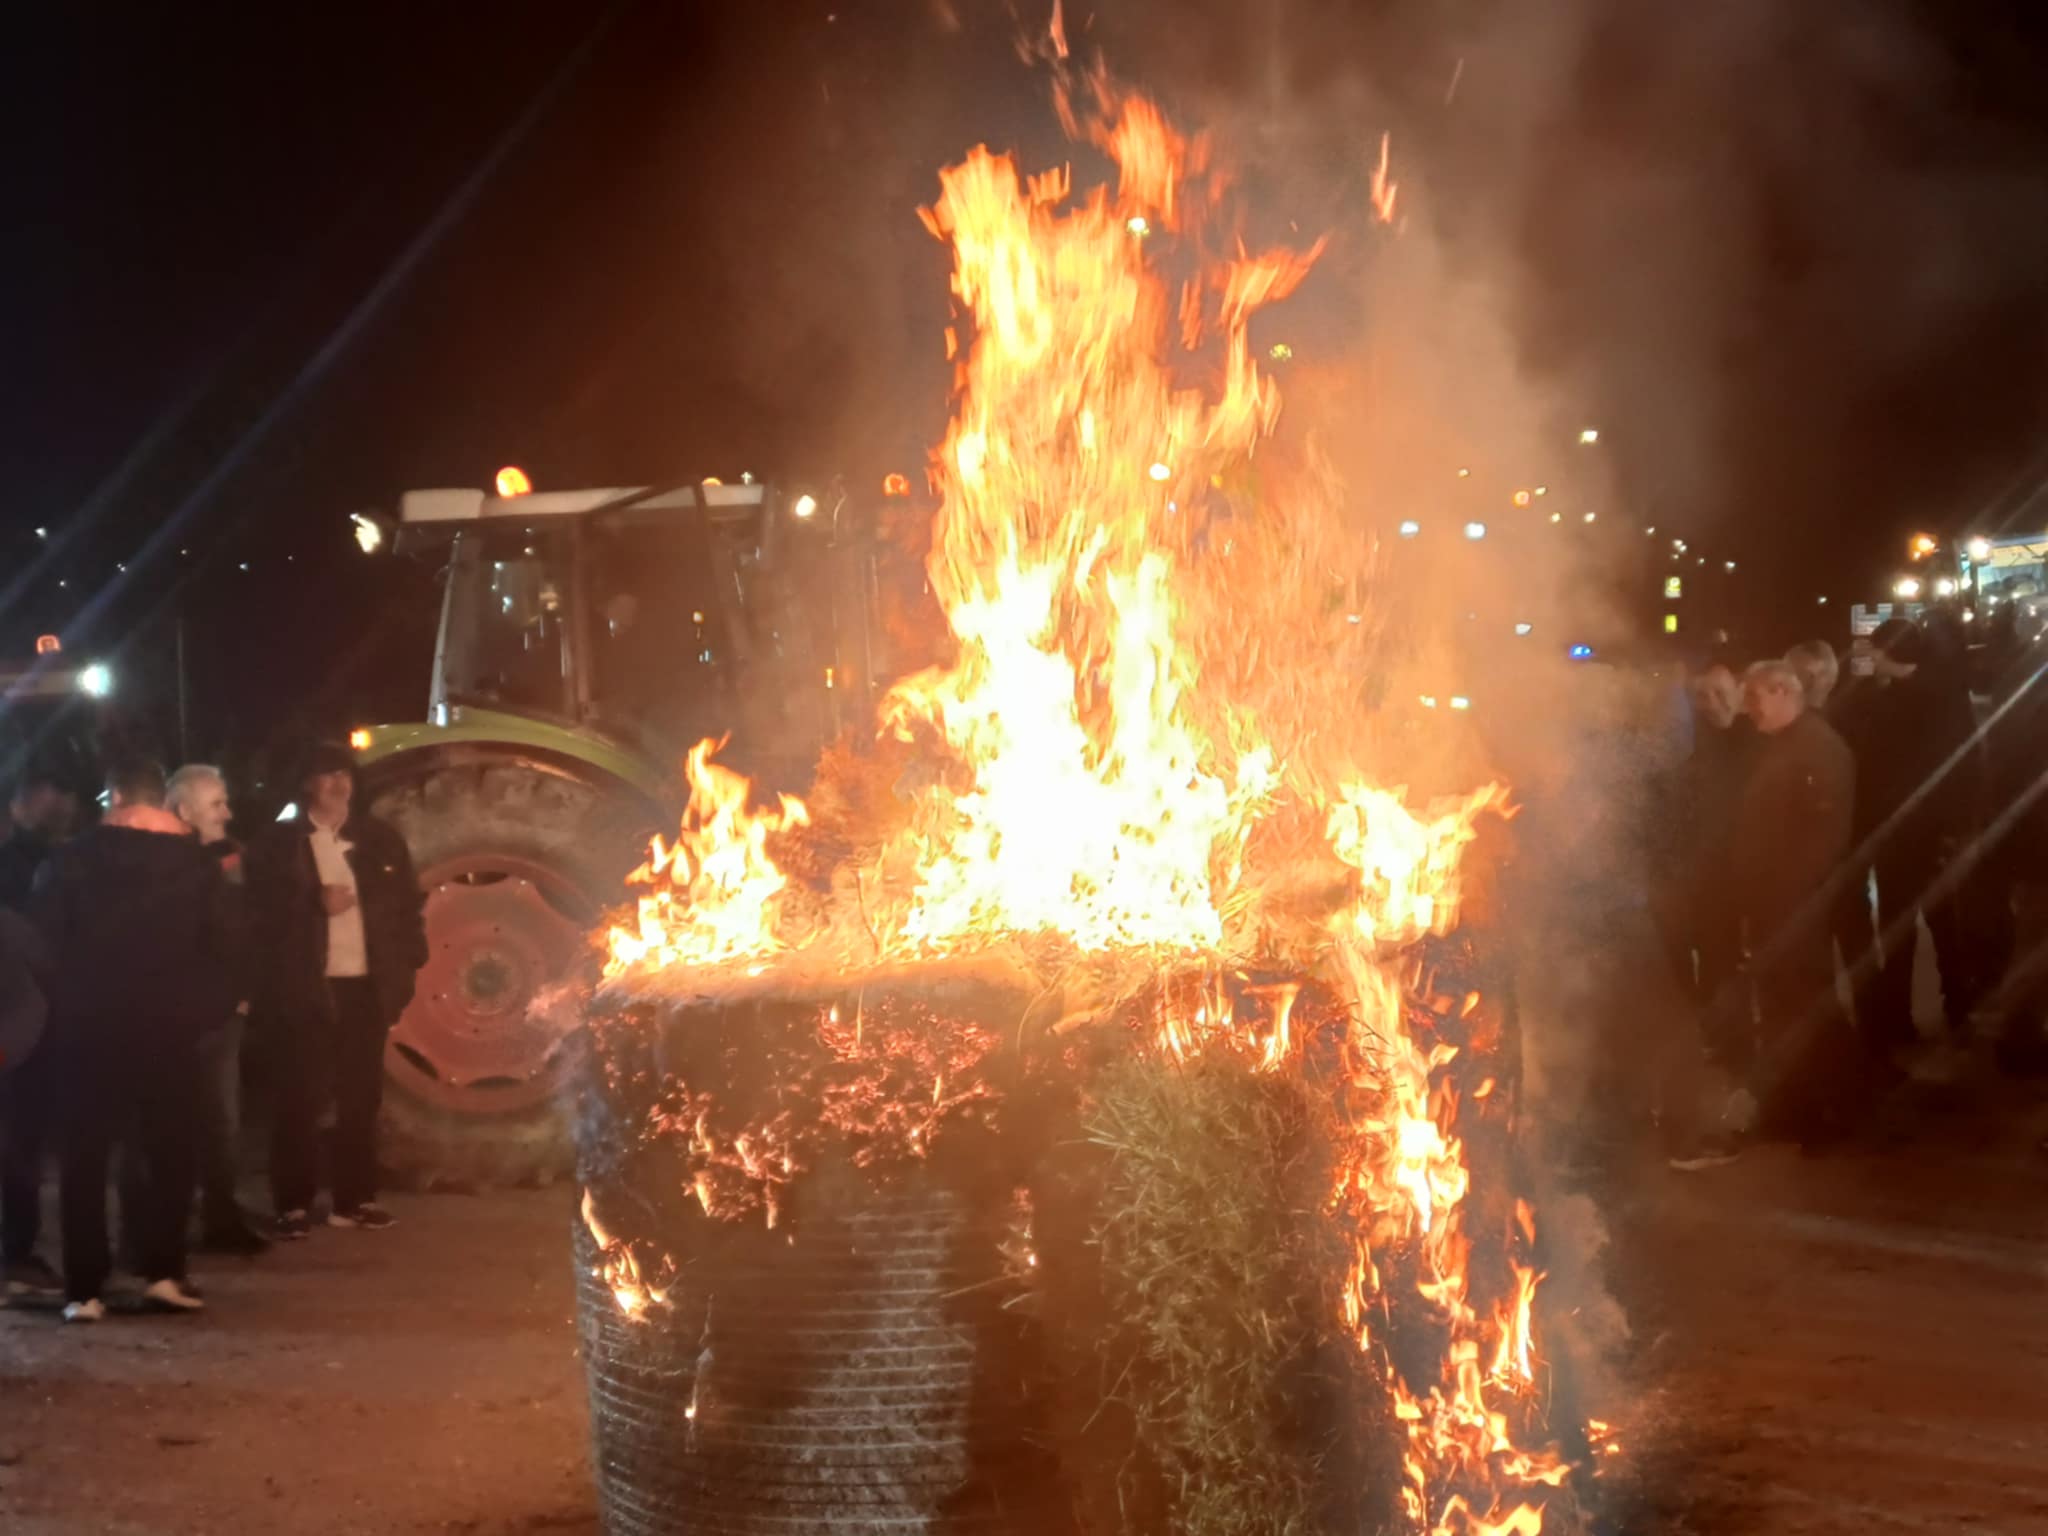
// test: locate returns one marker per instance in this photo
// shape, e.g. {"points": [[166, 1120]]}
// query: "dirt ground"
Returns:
{"points": [[1852, 1343], [420, 1379]]}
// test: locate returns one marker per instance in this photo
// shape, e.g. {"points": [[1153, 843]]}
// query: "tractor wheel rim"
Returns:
{"points": [[502, 938]]}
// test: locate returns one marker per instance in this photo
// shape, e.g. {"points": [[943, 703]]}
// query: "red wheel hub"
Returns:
{"points": [[500, 933]]}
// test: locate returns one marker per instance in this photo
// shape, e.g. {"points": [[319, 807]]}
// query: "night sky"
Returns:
{"points": [[264, 268]]}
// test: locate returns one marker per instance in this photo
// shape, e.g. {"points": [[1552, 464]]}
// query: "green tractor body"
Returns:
{"points": [[587, 640]]}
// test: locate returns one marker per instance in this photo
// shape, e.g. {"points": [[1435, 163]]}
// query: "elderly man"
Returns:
{"points": [[1819, 670], [1791, 835], [197, 795]]}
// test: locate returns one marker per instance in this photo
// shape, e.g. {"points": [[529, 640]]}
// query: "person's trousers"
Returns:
{"points": [[1907, 870], [335, 1058], [25, 1105], [219, 1123], [1805, 1069], [115, 1086]]}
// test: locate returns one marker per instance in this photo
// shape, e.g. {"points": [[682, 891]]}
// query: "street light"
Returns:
{"points": [[1475, 531], [1410, 528], [1589, 435], [1978, 550], [1907, 587]]}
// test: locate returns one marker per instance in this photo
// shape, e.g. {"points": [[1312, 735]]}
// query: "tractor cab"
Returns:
{"points": [[651, 618]]}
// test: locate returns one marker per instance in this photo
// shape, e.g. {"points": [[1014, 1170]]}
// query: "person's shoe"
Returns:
{"points": [[239, 1240], [293, 1226], [32, 1276], [92, 1311], [369, 1216], [172, 1295], [1716, 1150]]}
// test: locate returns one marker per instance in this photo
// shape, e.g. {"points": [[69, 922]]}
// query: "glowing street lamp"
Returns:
{"points": [[1907, 587]]}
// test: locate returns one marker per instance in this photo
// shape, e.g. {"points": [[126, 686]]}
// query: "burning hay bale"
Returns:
{"points": [[1109, 1129]]}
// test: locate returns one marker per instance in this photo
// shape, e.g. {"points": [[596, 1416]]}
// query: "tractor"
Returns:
{"points": [[587, 640]]}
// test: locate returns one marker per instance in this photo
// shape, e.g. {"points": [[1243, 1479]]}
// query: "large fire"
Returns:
{"points": [[1147, 747]]}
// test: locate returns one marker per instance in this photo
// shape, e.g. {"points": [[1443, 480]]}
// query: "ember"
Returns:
{"points": [[1147, 808]]}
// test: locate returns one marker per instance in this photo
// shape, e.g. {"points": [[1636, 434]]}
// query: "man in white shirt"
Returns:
{"points": [[338, 914]]}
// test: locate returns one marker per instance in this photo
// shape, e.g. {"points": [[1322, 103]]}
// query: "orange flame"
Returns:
{"points": [[712, 894], [1141, 740]]}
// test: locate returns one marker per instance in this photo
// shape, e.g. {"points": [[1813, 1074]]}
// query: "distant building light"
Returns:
{"points": [[1475, 530], [1410, 528], [1557, 517], [1945, 587], [1822, 600], [1678, 545], [1280, 352], [1524, 627], [1542, 490], [1580, 653], [1464, 474], [1590, 435], [1161, 472], [1138, 225], [1923, 545], [42, 533], [1674, 586], [1521, 498], [1592, 517], [1670, 623], [1651, 531], [1459, 701], [1429, 701], [1731, 565]]}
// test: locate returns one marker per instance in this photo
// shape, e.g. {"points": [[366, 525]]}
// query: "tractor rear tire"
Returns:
{"points": [[518, 860]]}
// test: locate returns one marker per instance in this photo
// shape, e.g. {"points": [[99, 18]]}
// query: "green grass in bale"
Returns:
{"points": [[1208, 1223]]}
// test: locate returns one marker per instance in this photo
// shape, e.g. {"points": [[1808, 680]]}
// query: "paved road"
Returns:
{"points": [[1855, 1344], [421, 1379], [1849, 1344]]}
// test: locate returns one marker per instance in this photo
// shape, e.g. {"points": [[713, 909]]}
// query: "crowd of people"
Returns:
{"points": [[1821, 820], [135, 954]]}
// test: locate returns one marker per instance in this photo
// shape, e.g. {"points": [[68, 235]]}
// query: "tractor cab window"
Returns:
{"points": [[662, 659], [508, 620]]}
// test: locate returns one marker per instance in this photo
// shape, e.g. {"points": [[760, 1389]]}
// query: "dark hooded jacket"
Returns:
{"points": [[289, 926], [135, 919]]}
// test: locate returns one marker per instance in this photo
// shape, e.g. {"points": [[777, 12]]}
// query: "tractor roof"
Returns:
{"points": [[466, 505]]}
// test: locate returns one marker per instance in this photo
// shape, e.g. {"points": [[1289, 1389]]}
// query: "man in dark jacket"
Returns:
{"points": [[1921, 784], [1791, 836], [44, 808], [134, 918], [338, 914]]}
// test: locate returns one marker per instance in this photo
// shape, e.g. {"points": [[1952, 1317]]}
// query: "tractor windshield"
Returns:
{"points": [[662, 661], [505, 642]]}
